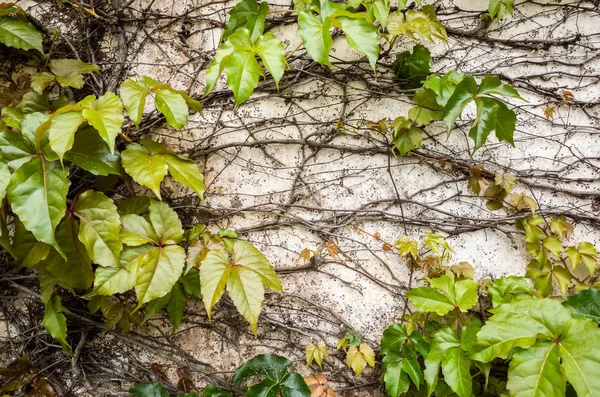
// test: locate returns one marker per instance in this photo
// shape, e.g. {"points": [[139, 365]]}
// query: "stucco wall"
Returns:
{"points": [[279, 172]]}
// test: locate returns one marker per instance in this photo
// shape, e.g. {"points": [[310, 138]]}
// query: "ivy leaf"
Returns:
{"points": [[585, 303], [411, 69], [442, 340], [498, 8], [463, 94], [393, 338], [137, 205], [15, 148], [120, 279], [491, 85], [293, 385], [27, 250], [135, 230], [357, 358], [466, 294], [444, 86], [396, 380], [246, 14], [149, 390], [62, 131], [37, 192], [176, 305], [99, 230], [41, 81], [536, 371], [487, 116], [410, 364], [316, 353], [75, 269], [69, 72], [92, 153], [214, 391], [133, 93], [272, 366], [216, 66], [429, 300], [191, 283], [580, 358], [55, 322], [518, 324], [272, 53], [20, 34], [158, 272], [508, 289], [242, 68], [455, 367], [187, 173], [427, 108], [106, 115], [156, 306], [406, 137], [4, 178], [173, 106], [412, 22], [166, 223], [361, 34], [145, 168], [243, 276], [315, 35]]}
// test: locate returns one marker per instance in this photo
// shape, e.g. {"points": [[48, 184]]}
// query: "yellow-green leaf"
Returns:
{"points": [[133, 93], [55, 322], [69, 72], [106, 116], [158, 272], [144, 167], [173, 106], [20, 34]]}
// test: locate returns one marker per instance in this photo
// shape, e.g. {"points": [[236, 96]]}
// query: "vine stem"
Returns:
{"points": [[74, 201], [288, 56]]}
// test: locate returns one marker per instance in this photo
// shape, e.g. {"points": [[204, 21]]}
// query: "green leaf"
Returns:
{"points": [[485, 123], [406, 137], [508, 289], [242, 68], [55, 322], [155, 306], [133, 94], [27, 250], [442, 340], [135, 230], [455, 367], [100, 226], [120, 279], [427, 108], [33, 102], [20, 34], [216, 66], [463, 94], [243, 276], [214, 391], [144, 167], [41, 81], [106, 115], [92, 154], [361, 34], [589, 256], [411, 366], [173, 106], [411, 69], [149, 390], [137, 205], [75, 269], [47, 283], [293, 385], [62, 131], [396, 380], [393, 338], [158, 272], [176, 305], [580, 356], [536, 372], [272, 366], [272, 53], [466, 294], [15, 148], [69, 72], [412, 22], [37, 192], [498, 8], [246, 14], [315, 35], [585, 303], [518, 324], [266, 388], [429, 300], [186, 172], [166, 223], [444, 86], [4, 178], [191, 283], [491, 85]]}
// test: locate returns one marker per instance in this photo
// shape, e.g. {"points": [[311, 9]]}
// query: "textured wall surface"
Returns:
{"points": [[296, 167]]}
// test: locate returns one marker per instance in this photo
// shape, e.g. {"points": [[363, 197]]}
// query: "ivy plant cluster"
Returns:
{"points": [[79, 238]]}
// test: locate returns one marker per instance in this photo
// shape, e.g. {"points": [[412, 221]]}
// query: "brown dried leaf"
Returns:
{"points": [[332, 249], [41, 388], [305, 255], [386, 247], [567, 97], [549, 112]]}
